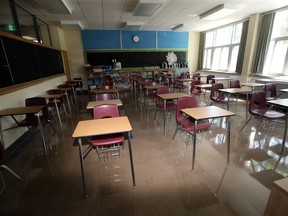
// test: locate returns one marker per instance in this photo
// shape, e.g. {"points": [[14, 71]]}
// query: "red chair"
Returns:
{"points": [[149, 94], [219, 97], [270, 91], [105, 96], [259, 109], [5, 167], [187, 124], [235, 84], [195, 90], [209, 79], [170, 105], [110, 142], [30, 119]]}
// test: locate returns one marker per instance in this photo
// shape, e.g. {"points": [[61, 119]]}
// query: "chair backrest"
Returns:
{"points": [[194, 89], [257, 104], [162, 90], [106, 86], [270, 91], [105, 111], [214, 91], [234, 84], [105, 96], [196, 76], [209, 79], [36, 101], [150, 83], [184, 102]]}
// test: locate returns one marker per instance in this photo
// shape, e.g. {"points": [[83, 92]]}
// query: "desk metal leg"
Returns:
{"points": [[247, 104], [285, 134], [68, 101], [58, 113], [42, 133], [228, 139], [165, 105], [131, 159], [194, 144], [82, 166]]}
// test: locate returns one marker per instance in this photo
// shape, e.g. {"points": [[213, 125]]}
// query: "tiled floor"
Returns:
{"points": [[165, 183]]}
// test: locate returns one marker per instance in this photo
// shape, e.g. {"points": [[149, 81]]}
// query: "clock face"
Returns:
{"points": [[136, 38]]}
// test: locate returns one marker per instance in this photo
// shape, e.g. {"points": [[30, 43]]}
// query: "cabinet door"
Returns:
{"points": [[5, 75]]}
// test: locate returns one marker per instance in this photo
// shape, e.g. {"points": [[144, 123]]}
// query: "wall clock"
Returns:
{"points": [[136, 38]]}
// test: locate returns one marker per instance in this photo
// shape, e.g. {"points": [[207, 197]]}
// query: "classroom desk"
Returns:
{"points": [[230, 91], [95, 127], [101, 91], [170, 96], [55, 97], [282, 103], [73, 87], [150, 88], [252, 85], [282, 91], [91, 104], [208, 112], [23, 111]]}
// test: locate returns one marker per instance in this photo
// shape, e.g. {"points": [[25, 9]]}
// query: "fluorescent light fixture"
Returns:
{"points": [[147, 7], [54, 6], [133, 25], [211, 11], [174, 28], [66, 24]]}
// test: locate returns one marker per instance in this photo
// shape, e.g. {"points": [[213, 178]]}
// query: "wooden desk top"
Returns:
{"points": [[279, 102], [235, 90], [154, 87], [96, 127], [91, 104], [185, 80], [221, 78], [204, 85], [200, 113], [252, 84], [51, 96], [172, 96], [99, 91], [21, 110], [282, 184], [65, 89], [283, 90]]}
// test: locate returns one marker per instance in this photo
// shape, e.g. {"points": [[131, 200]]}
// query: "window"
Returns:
{"points": [[276, 59], [222, 47]]}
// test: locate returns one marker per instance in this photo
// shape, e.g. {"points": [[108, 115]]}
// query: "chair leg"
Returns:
{"points": [[52, 126], [10, 171], [176, 130], [156, 113], [246, 124]]}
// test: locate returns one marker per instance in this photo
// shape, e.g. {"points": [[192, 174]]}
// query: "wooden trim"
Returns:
{"points": [[13, 88]]}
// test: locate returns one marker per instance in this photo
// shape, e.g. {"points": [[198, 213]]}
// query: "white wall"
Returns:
{"points": [[17, 99]]}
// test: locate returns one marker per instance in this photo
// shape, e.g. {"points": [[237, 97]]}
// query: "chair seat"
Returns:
{"points": [[224, 100], [270, 98], [189, 124], [108, 139], [274, 115], [170, 105]]}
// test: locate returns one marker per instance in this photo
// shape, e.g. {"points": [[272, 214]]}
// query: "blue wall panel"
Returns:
{"points": [[112, 39], [167, 39], [147, 39], [101, 39]]}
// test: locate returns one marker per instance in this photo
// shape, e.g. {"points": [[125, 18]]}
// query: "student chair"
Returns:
{"points": [[170, 105], [105, 96], [270, 91], [259, 109], [196, 91], [186, 123], [219, 97], [235, 84], [209, 79], [110, 142]]}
